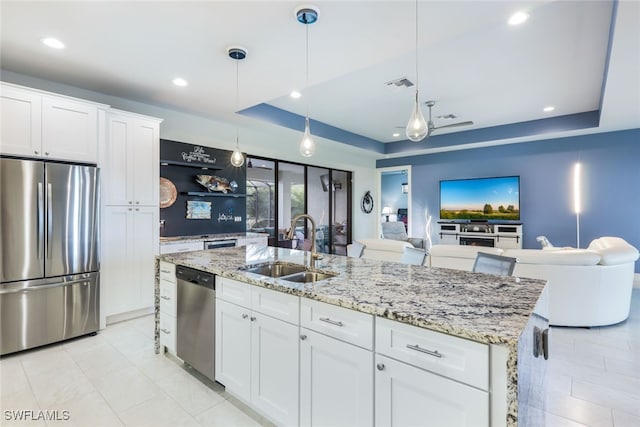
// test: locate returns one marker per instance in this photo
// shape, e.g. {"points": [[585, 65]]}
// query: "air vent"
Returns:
{"points": [[401, 82], [448, 116]]}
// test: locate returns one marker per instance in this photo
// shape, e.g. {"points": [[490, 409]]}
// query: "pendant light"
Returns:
{"points": [[237, 53], [417, 128], [307, 15]]}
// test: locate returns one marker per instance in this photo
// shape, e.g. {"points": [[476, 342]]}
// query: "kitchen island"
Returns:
{"points": [[495, 313]]}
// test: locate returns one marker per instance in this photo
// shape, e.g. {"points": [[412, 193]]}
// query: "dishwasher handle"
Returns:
{"points": [[195, 277]]}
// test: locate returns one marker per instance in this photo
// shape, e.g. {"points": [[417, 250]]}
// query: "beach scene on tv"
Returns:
{"points": [[482, 198]]}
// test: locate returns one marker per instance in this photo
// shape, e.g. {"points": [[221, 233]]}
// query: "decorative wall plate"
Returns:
{"points": [[168, 193], [367, 203]]}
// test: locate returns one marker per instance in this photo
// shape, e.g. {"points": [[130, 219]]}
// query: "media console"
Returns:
{"points": [[481, 233]]}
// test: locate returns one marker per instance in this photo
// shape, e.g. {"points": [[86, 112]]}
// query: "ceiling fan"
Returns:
{"points": [[431, 126]]}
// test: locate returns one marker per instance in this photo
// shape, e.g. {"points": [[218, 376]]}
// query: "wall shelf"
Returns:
{"points": [[200, 166], [207, 194]]}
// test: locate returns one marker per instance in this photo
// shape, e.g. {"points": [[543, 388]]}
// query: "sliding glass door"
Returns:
{"points": [[277, 191]]}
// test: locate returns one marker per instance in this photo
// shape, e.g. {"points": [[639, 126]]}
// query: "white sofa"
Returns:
{"points": [[383, 249], [585, 287], [457, 257]]}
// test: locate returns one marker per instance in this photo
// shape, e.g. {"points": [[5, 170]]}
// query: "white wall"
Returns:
{"points": [[256, 138]]}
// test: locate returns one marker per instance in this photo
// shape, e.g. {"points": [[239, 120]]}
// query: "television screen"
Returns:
{"points": [[481, 198]]}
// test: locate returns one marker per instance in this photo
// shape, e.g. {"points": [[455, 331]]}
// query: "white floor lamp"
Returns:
{"points": [[577, 189]]}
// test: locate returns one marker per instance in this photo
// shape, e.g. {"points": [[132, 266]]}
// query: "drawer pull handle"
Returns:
{"points": [[333, 322], [380, 366], [165, 298], [303, 337], [253, 319], [166, 331], [416, 347], [165, 271], [245, 315]]}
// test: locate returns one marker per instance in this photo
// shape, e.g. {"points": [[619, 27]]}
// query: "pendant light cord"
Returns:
{"points": [[417, 77], [307, 67], [237, 100]]}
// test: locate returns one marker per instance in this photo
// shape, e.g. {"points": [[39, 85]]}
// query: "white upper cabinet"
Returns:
{"points": [[39, 124], [69, 130], [21, 122], [131, 155]]}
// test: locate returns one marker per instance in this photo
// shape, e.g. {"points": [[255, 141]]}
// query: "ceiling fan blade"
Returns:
{"points": [[454, 125]]}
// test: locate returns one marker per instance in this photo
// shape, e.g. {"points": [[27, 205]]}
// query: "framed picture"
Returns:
{"points": [[198, 209]]}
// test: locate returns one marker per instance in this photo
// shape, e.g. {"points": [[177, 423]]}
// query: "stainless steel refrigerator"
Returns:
{"points": [[49, 264]]}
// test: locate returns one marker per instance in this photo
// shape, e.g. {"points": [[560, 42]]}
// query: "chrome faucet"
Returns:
{"points": [[314, 255]]}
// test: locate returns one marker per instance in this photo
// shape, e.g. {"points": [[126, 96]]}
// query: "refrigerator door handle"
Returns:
{"points": [[85, 282], [49, 218], [40, 209]]}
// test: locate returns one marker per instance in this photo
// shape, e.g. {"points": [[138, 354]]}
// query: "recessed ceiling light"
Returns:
{"points": [[53, 43], [179, 81], [295, 94], [396, 134], [518, 18], [549, 108]]}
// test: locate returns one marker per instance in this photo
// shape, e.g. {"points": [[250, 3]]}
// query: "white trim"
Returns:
{"points": [[378, 199], [120, 317]]}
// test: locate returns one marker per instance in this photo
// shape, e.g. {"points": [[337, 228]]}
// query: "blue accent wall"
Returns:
{"points": [[611, 184]]}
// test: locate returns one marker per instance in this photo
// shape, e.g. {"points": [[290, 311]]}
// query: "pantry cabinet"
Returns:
{"points": [[131, 219], [44, 125]]}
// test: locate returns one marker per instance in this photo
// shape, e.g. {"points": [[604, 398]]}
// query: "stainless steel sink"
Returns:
{"points": [[276, 269], [289, 272], [308, 277]]}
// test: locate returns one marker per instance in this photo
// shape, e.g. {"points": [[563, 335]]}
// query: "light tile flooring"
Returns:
{"points": [[115, 379]]}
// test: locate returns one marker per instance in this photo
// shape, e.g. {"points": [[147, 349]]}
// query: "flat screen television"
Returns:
{"points": [[496, 198]]}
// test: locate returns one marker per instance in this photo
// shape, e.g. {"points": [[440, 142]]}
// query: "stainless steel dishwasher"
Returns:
{"points": [[196, 305]]}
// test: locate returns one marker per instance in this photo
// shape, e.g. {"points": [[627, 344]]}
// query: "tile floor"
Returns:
{"points": [[115, 379]]}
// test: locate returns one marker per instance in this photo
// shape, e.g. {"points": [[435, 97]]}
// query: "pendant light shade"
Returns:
{"points": [[307, 15], [417, 128], [237, 53], [307, 145], [237, 158]]}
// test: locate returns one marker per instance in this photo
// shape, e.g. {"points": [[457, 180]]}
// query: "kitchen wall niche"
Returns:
{"points": [[181, 163]]}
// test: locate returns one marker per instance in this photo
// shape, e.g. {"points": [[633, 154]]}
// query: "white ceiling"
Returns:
{"points": [[470, 61]]}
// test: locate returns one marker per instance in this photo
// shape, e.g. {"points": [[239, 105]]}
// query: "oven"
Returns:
{"points": [[223, 243]]}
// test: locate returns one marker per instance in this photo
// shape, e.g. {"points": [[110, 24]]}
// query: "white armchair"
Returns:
{"points": [[395, 230]]}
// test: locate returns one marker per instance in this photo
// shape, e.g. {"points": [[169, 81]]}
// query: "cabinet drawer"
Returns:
{"points": [[347, 325], [457, 358], [170, 248], [275, 304], [168, 332], [167, 297], [168, 271], [233, 291]]}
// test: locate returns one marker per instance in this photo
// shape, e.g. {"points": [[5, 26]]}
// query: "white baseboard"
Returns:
{"points": [[636, 281], [121, 317]]}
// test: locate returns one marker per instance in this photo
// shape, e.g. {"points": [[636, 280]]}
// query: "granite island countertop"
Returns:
{"points": [[481, 307]]}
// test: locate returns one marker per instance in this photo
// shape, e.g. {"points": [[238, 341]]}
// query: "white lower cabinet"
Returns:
{"points": [[427, 378], [129, 246], [168, 305], [257, 355], [336, 382], [409, 396]]}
